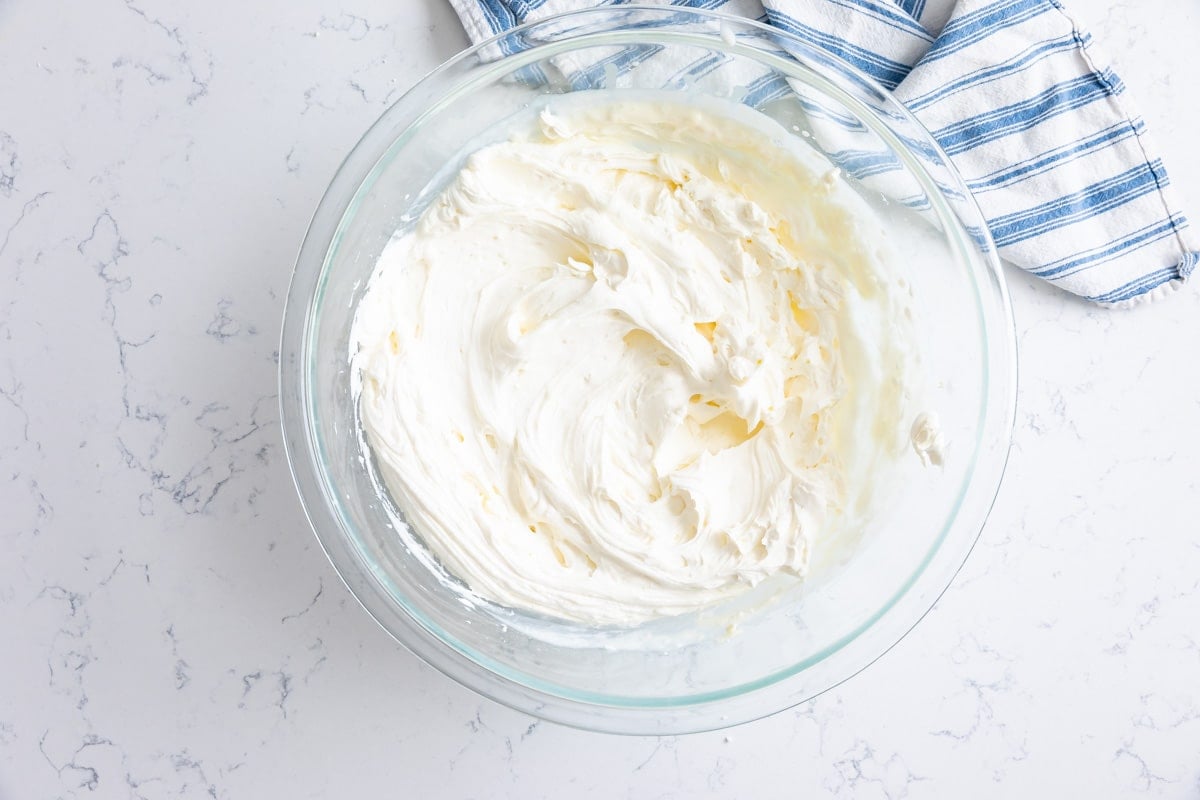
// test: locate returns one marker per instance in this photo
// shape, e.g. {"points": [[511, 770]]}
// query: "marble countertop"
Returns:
{"points": [[170, 628]]}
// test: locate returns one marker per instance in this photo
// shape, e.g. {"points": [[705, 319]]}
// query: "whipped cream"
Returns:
{"points": [[927, 440], [634, 360]]}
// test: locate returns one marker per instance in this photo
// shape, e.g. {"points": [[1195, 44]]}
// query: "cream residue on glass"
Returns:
{"points": [[634, 360]]}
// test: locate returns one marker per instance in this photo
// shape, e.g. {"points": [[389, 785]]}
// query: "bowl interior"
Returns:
{"points": [[781, 643]]}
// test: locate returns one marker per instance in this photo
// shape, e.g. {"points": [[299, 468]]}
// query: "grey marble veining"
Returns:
{"points": [[170, 628]]}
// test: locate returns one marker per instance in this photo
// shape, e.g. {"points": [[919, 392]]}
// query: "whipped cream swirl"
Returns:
{"points": [[633, 360]]}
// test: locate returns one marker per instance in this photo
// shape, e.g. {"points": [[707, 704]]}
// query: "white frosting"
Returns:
{"points": [[927, 439], [633, 361]]}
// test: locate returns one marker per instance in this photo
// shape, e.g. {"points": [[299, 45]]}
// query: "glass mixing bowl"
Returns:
{"points": [[781, 644]]}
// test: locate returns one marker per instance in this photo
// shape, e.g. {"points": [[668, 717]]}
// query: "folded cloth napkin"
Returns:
{"points": [[1014, 91]]}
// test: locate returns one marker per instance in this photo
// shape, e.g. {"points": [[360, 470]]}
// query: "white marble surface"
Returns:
{"points": [[170, 629]]}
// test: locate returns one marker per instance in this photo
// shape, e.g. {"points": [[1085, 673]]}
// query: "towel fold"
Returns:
{"points": [[1014, 91]]}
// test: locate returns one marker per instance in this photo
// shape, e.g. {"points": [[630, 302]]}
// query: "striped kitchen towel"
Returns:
{"points": [[1036, 123]]}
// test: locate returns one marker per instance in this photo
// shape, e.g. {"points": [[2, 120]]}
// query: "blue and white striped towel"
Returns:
{"points": [[1016, 95]]}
